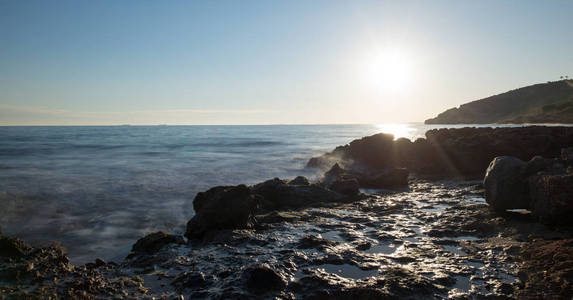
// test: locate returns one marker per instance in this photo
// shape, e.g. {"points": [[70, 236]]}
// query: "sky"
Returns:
{"points": [[270, 62]]}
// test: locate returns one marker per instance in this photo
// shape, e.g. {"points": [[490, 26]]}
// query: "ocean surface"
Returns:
{"points": [[96, 190]]}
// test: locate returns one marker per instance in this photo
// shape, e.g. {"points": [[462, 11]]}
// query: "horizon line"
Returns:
{"points": [[270, 124]]}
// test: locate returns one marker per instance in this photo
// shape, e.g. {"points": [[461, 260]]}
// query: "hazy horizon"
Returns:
{"points": [[270, 63]]}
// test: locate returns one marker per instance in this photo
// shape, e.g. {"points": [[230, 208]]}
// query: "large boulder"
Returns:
{"points": [[552, 198], [374, 151], [505, 185], [539, 185], [282, 194], [226, 207]]}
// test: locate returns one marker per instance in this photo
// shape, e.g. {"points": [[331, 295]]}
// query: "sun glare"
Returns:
{"points": [[390, 71], [398, 130]]}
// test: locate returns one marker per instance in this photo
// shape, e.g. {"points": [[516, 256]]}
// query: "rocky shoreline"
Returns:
{"points": [[389, 219]]}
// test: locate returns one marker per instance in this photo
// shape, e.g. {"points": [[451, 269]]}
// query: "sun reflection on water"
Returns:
{"points": [[398, 130]]}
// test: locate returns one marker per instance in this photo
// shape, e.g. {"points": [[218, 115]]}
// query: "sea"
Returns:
{"points": [[97, 189]]}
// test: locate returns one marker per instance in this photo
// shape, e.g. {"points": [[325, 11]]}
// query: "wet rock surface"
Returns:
{"points": [[234, 207], [153, 242], [437, 240], [547, 271]]}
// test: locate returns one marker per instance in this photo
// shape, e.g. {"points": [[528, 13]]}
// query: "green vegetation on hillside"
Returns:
{"points": [[550, 102]]}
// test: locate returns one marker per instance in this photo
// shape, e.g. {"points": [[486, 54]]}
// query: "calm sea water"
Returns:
{"points": [[98, 189]]}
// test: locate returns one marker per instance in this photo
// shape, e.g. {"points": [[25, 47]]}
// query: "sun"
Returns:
{"points": [[390, 71]]}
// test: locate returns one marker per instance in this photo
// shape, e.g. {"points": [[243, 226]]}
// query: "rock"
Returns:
{"points": [[12, 247], [222, 208], [363, 246], [234, 207], [546, 269], [373, 151], [276, 217], [567, 155], [464, 152], [326, 161], [154, 241], [389, 178], [336, 173], [348, 187], [189, 279], [343, 181], [505, 185], [552, 198], [314, 242], [261, 278], [99, 262], [541, 185], [299, 180], [278, 194], [538, 164]]}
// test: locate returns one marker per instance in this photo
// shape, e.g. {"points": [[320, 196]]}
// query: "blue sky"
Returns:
{"points": [[270, 62]]}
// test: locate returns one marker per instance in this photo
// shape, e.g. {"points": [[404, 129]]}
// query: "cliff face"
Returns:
{"points": [[550, 102]]}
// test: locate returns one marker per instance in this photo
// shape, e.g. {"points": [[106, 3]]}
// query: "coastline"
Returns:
{"points": [[377, 244]]}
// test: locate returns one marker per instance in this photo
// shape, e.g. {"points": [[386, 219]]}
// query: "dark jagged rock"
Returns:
{"points": [[262, 278], [552, 198], [12, 247], [375, 151], [154, 241], [388, 178], [463, 152], [348, 181], [341, 181], [348, 187], [235, 207], [299, 180], [190, 279], [46, 273], [222, 208], [278, 194], [314, 242]]}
